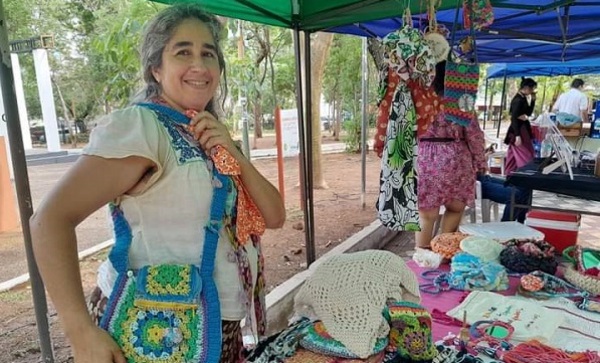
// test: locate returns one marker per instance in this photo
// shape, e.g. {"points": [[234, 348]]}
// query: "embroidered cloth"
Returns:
{"points": [[409, 57]]}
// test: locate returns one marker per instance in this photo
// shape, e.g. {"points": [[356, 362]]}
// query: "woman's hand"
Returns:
{"points": [[209, 132], [94, 345], [523, 117], [518, 141]]}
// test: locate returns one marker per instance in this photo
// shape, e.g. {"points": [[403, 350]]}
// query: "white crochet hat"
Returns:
{"points": [[439, 45], [484, 248]]}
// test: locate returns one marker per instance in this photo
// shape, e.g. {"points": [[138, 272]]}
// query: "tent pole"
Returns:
{"points": [[302, 141], [485, 106], [310, 228], [17, 151], [502, 105], [365, 122]]}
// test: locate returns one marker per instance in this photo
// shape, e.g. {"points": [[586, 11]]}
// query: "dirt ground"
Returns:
{"points": [[338, 215]]}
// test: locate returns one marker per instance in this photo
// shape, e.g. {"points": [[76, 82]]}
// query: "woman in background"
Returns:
{"points": [[449, 157], [519, 136]]}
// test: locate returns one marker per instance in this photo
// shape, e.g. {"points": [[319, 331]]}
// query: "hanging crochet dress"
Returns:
{"points": [[409, 56]]}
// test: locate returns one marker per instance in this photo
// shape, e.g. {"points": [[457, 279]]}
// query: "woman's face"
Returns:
{"points": [[527, 90], [190, 72]]}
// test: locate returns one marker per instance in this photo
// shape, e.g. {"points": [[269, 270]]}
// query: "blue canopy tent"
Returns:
{"points": [[523, 30], [532, 69]]}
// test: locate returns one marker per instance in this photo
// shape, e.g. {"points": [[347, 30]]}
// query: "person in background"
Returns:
{"points": [[448, 158], [519, 136], [150, 161], [495, 189], [573, 104]]}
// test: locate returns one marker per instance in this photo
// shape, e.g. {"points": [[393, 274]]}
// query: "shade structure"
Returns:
{"points": [[550, 69], [313, 15], [523, 30]]}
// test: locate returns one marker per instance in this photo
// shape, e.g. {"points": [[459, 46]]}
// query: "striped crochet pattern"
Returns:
{"points": [[460, 92]]}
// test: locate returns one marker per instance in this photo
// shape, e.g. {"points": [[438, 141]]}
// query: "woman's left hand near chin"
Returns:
{"points": [[210, 132]]}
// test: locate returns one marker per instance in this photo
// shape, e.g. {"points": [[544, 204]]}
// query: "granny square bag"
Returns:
{"points": [[167, 313]]}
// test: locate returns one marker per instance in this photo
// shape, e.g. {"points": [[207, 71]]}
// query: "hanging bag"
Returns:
{"points": [[460, 85], [167, 313]]}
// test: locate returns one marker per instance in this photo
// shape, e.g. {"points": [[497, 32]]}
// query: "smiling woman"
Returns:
{"points": [[188, 211]]}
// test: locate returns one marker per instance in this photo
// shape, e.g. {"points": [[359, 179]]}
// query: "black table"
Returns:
{"points": [[583, 186]]}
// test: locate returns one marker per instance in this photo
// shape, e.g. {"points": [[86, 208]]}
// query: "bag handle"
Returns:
{"points": [[568, 254]]}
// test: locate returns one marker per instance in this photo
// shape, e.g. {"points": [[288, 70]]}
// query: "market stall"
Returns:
{"points": [[418, 342]]}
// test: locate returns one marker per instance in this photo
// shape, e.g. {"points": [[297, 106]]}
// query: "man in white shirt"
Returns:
{"points": [[573, 102]]}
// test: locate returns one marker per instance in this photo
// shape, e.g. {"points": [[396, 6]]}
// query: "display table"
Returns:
{"points": [[583, 186]]}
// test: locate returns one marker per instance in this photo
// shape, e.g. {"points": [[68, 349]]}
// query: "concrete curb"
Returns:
{"points": [[280, 301], [20, 280]]}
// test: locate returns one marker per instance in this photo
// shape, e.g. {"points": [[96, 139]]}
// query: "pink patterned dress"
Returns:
{"points": [[447, 163]]}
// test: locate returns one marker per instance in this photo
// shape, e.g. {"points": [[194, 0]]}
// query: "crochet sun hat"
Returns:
{"points": [[447, 244]]}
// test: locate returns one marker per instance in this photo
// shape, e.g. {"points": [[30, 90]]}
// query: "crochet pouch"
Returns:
{"points": [[167, 313], [460, 91], [316, 339], [471, 273], [586, 260], [410, 331]]}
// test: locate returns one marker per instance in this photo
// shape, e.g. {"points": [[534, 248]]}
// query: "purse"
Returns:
{"points": [[460, 91], [167, 313]]}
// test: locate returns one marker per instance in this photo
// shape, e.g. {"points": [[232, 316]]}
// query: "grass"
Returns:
{"points": [[14, 296]]}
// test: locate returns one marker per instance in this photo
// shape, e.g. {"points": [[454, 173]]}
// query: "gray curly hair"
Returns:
{"points": [[157, 34]]}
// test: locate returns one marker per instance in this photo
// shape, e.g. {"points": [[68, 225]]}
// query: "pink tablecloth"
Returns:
{"points": [[439, 304]]}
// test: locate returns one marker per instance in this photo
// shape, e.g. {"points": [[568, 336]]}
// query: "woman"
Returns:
{"points": [[449, 157], [519, 136], [156, 173]]}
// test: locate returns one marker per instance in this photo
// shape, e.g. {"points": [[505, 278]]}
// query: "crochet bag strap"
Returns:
{"points": [[119, 254]]}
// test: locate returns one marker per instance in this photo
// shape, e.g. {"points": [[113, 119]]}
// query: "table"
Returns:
{"points": [[583, 186]]}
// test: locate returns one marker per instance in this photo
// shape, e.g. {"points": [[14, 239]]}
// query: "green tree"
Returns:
{"points": [[342, 82]]}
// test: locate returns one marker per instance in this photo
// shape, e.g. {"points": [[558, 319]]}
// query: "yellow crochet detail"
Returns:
{"points": [[162, 305], [168, 280]]}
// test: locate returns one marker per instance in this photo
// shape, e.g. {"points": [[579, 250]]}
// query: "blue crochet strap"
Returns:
{"points": [[167, 111], [119, 254]]}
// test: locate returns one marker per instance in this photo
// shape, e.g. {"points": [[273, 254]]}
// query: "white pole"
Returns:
{"points": [[21, 105], [42, 73]]}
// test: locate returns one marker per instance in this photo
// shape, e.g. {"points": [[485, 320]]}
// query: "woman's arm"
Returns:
{"points": [[91, 183], [475, 139]]}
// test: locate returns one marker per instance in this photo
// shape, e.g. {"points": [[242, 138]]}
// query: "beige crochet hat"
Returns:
{"points": [[486, 249]]}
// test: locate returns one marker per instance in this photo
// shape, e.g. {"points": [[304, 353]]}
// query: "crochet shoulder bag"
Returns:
{"points": [[167, 313]]}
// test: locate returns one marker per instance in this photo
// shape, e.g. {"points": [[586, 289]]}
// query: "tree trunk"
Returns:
{"points": [[375, 48], [338, 120], [321, 45], [257, 120], [65, 109]]}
